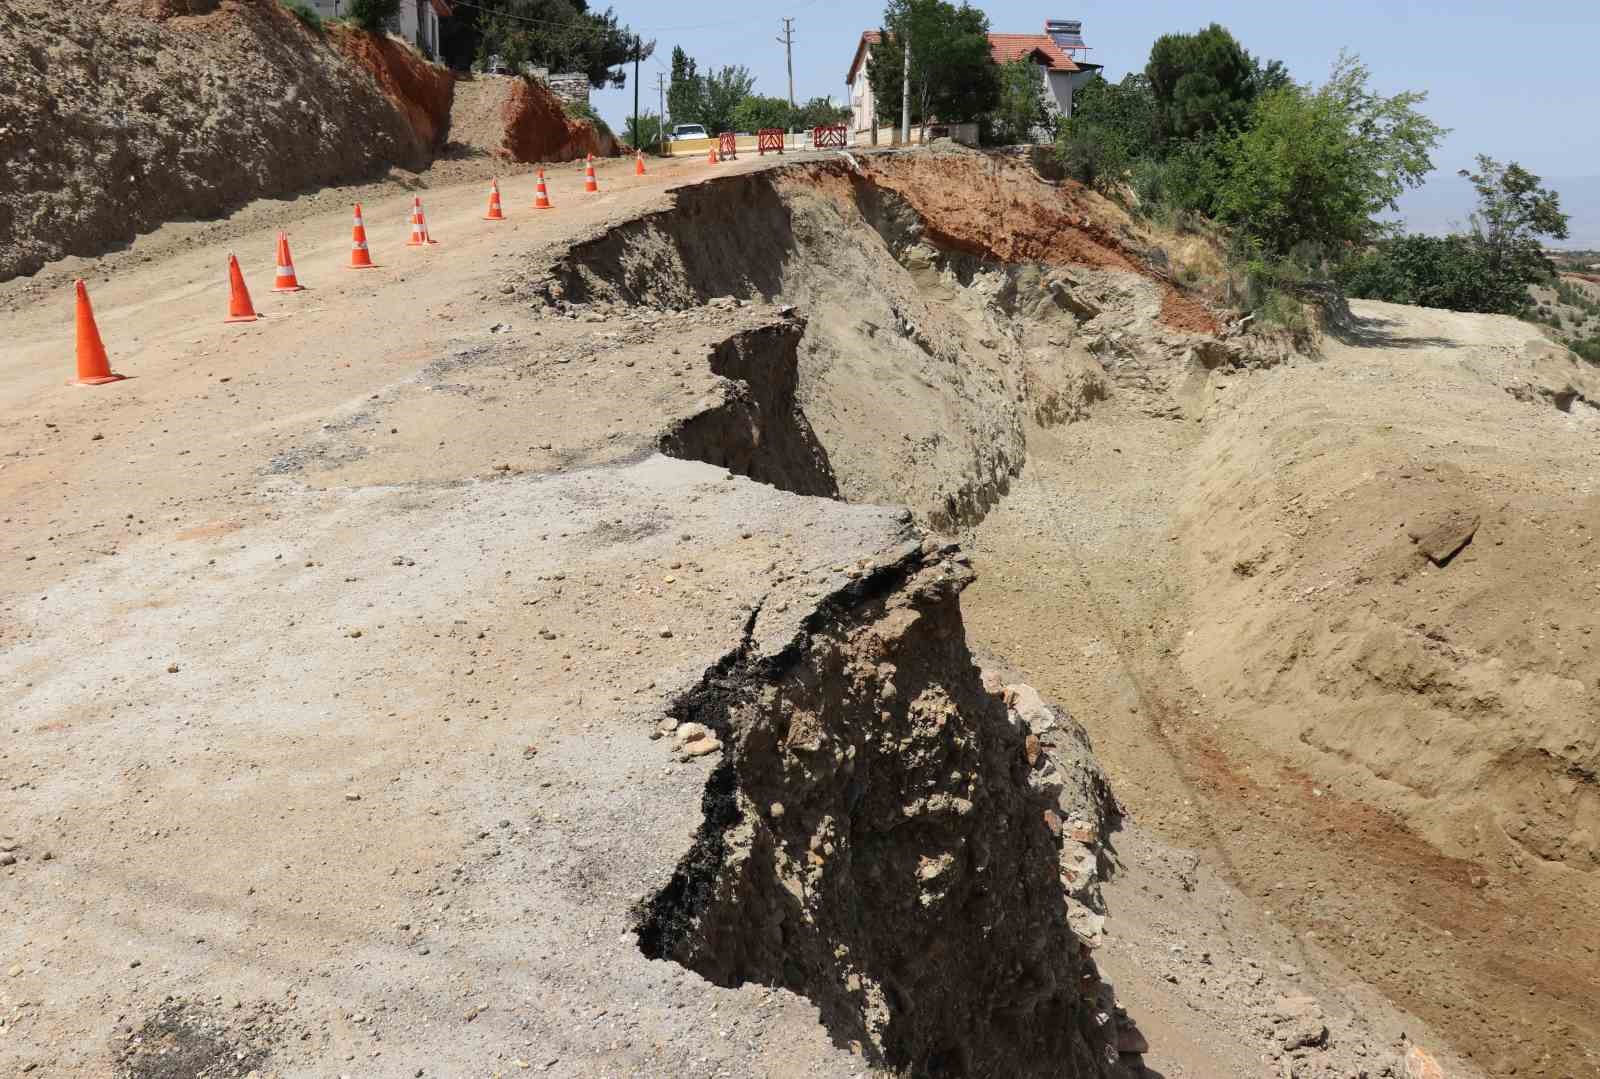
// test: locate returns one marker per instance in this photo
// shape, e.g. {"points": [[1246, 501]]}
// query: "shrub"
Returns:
{"points": [[309, 18], [1453, 272], [582, 110], [374, 16]]}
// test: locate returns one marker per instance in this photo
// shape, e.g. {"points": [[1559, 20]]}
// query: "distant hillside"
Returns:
{"points": [[1443, 203]]}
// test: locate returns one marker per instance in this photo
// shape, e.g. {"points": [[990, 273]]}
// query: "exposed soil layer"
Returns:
{"points": [[422, 91], [883, 836], [520, 120], [759, 429], [919, 355], [999, 209], [115, 122]]}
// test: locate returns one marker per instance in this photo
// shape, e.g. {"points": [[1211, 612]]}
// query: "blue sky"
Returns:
{"points": [[1517, 81]]}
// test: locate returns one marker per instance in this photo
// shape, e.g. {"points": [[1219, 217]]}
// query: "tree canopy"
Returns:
{"points": [[952, 76], [1317, 165], [1201, 82], [1488, 269], [562, 35]]}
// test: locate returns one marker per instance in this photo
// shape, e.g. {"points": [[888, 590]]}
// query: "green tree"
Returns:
{"points": [[818, 112], [646, 134], [756, 112], [952, 75], [562, 35], [1488, 269], [1316, 165], [1112, 126], [686, 94], [1514, 214], [1202, 82], [373, 16], [724, 90], [1020, 112]]}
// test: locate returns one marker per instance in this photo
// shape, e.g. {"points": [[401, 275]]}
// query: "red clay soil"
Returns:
{"points": [[422, 91], [1045, 223], [538, 129]]}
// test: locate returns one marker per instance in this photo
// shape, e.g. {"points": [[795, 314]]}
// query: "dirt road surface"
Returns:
{"points": [[331, 667]]}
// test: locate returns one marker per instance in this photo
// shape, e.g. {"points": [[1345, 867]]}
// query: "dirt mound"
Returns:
{"points": [[521, 120], [115, 123]]}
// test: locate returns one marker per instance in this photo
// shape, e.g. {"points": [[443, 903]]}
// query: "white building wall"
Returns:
{"points": [[863, 110]]}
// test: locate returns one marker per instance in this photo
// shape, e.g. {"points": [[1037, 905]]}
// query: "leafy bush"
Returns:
{"points": [[582, 110], [646, 135], [374, 16], [308, 17], [819, 112], [1093, 153], [756, 112], [1021, 112]]}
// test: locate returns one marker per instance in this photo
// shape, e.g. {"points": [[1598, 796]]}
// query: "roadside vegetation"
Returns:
{"points": [[1298, 175], [725, 99]]}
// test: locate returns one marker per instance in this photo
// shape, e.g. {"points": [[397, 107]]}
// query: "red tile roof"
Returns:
{"points": [[1003, 48]]}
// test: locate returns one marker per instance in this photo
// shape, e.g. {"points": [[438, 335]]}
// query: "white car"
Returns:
{"points": [[689, 131]]}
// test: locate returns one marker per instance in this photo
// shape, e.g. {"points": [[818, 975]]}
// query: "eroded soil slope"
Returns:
{"points": [[1394, 753], [115, 122]]}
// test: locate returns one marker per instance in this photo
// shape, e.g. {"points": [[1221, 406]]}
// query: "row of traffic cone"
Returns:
{"points": [[541, 195], [94, 367]]}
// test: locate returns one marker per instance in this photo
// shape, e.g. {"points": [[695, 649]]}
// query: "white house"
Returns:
{"points": [[1060, 53], [417, 23]]}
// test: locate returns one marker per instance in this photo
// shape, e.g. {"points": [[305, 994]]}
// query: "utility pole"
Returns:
{"points": [[787, 41], [661, 92], [905, 93], [637, 50]]}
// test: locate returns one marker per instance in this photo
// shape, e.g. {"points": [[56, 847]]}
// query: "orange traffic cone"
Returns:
{"points": [[638, 163], [494, 213], [711, 156], [93, 367], [589, 183], [541, 199], [417, 239], [240, 308], [360, 257], [285, 281]]}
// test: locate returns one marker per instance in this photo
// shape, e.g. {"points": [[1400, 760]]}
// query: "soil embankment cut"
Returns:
{"points": [[117, 120], [521, 120]]}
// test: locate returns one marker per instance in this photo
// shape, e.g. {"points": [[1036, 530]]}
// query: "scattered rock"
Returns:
{"points": [[692, 732], [1445, 539]]}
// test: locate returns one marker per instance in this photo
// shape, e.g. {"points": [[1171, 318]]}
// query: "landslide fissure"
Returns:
{"points": [[921, 363], [887, 835], [889, 832]]}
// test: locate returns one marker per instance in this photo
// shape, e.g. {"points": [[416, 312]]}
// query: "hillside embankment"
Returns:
{"points": [[119, 118], [122, 117], [1304, 587]]}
